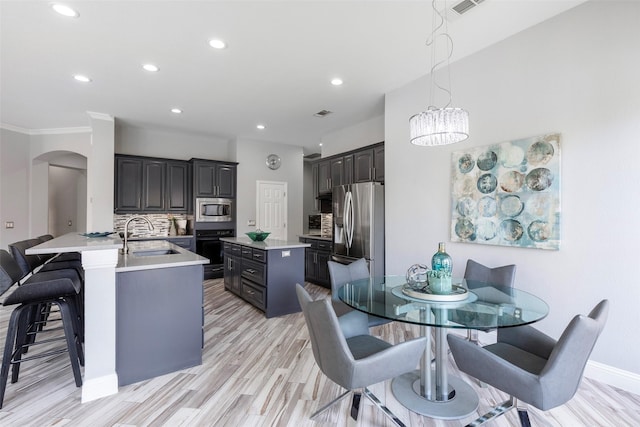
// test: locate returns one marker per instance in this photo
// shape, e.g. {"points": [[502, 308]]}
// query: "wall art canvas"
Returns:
{"points": [[508, 193]]}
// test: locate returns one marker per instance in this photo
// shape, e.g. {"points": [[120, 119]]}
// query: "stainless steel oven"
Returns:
{"points": [[208, 245], [214, 210]]}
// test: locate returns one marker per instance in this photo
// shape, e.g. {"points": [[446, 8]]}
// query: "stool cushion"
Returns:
{"points": [[41, 292], [45, 276]]}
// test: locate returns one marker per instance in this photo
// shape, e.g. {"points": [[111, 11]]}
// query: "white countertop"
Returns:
{"points": [[267, 244], [76, 242], [133, 262], [317, 237]]}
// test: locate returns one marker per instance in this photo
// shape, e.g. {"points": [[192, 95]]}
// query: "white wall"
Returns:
{"points": [[575, 74], [64, 198], [252, 167], [359, 135], [14, 186], [168, 144]]}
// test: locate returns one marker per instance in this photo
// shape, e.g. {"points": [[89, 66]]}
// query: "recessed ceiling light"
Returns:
{"points": [[320, 144], [217, 44], [81, 78], [176, 111], [336, 82], [150, 67], [260, 127], [65, 10]]}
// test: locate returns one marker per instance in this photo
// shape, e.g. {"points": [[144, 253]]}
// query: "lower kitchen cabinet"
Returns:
{"points": [[264, 277], [316, 257]]}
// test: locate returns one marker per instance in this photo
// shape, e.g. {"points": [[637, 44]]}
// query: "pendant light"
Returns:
{"points": [[446, 125]]}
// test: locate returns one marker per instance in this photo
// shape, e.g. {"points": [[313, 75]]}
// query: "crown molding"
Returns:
{"points": [[100, 116], [51, 131]]}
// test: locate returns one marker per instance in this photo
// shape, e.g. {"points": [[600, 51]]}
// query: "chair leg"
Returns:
{"points": [[325, 407], [355, 405], [523, 414], [494, 413], [383, 408], [68, 322], [12, 329]]}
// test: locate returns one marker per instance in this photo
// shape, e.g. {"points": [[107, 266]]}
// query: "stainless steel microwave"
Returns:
{"points": [[214, 210]]}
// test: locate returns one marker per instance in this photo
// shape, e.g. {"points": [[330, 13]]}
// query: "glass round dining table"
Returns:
{"points": [[427, 391]]}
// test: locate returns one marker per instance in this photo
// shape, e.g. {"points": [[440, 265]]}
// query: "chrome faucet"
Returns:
{"points": [[125, 246]]}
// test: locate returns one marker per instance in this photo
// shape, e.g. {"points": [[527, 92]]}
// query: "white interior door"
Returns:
{"points": [[271, 209]]}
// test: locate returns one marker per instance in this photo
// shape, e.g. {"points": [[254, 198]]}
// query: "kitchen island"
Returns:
{"points": [[264, 273], [102, 264]]}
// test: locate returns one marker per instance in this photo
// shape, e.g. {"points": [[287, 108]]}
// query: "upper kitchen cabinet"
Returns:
{"points": [[154, 174], [362, 165], [145, 184], [369, 165], [178, 186], [214, 179]]}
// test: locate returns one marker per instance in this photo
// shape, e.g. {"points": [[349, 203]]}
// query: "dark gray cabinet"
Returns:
{"points": [[264, 278], [153, 185], [324, 177], [145, 184], [159, 319], [363, 165], [178, 192], [128, 184], [316, 257], [232, 268], [214, 179]]}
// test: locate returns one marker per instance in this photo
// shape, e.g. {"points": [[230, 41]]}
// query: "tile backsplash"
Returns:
{"points": [[160, 221]]}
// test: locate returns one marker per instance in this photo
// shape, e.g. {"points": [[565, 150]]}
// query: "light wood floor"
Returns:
{"points": [[260, 372]]}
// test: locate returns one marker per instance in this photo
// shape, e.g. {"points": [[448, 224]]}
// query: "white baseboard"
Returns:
{"points": [[615, 377], [95, 388]]}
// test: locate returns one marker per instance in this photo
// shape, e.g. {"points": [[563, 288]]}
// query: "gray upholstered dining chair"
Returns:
{"points": [[350, 357], [344, 273], [477, 273], [531, 366]]}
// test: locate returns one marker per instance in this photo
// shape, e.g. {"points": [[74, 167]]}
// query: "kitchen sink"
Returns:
{"points": [[154, 252]]}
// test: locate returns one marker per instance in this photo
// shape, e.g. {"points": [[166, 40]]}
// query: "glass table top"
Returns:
{"points": [[487, 306]]}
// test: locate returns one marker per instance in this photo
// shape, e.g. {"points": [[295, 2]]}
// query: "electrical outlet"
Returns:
{"points": [[251, 222], [8, 224], [69, 223]]}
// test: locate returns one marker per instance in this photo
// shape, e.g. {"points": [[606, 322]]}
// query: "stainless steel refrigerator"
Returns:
{"points": [[358, 224]]}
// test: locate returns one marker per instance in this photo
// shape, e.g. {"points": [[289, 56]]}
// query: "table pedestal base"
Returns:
{"points": [[463, 403]]}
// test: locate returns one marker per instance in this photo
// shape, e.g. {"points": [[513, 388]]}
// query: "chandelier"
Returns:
{"points": [[446, 125]]}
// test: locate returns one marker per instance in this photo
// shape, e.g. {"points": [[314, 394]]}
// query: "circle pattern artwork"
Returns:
{"points": [[487, 160], [511, 230], [511, 206], [540, 153], [466, 163], [487, 183], [511, 181], [508, 193], [539, 179], [487, 206], [465, 229]]}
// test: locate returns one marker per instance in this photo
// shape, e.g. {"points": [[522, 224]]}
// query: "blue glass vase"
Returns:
{"points": [[441, 261]]}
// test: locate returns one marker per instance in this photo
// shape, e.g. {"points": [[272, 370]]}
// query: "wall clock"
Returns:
{"points": [[273, 161]]}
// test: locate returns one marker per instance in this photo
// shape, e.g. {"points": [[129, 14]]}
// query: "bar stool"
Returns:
{"points": [[40, 290]]}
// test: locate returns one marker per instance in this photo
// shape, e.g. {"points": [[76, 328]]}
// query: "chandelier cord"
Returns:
{"points": [[432, 42]]}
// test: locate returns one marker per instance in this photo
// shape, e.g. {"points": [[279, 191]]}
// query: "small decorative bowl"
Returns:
{"points": [[258, 236]]}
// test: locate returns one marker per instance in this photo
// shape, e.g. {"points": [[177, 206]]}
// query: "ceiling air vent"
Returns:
{"points": [[322, 113], [465, 6]]}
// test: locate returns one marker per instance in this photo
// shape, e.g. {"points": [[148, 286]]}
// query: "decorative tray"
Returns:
{"points": [[458, 293], [97, 234]]}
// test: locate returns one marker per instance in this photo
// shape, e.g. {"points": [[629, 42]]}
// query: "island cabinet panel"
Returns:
{"points": [[232, 268], [264, 278], [158, 322]]}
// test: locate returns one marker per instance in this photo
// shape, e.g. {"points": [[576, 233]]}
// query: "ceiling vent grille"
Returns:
{"points": [[323, 113], [465, 5]]}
